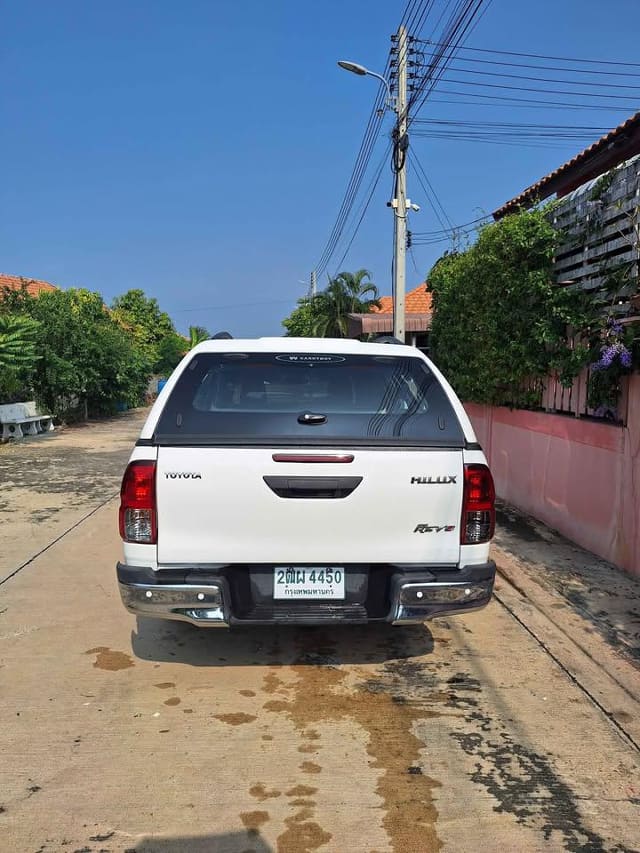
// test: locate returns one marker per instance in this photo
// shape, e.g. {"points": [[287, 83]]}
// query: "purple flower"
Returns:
{"points": [[614, 326], [608, 355]]}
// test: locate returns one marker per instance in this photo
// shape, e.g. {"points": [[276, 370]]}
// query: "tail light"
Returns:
{"points": [[478, 506], [138, 503]]}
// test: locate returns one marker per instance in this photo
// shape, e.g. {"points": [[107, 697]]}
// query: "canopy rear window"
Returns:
{"points": [[262, 399]]}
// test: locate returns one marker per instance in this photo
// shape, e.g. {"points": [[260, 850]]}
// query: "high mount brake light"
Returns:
{"points": [[478, 506], [138, 521]]}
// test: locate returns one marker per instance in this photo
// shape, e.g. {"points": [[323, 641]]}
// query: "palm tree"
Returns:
{"points": [[197, 334], [347, 293]]}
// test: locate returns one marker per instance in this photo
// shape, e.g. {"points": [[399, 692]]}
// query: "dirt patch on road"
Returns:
{"points": [[239, 719], [110, 660]]}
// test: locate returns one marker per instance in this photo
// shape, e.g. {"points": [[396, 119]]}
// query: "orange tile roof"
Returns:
{"points": [[34, 285], [417, 301]]}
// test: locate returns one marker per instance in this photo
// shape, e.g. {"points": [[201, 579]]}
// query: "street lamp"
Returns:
{"points": [[355, 68]]}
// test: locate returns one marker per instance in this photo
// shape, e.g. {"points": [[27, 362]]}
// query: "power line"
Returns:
{"points": [[514, 98], [510, 76], [533, 89], [510, 124], [424, 182], [372, 188], [454, 228], [539, 55], [233, 305], [460, 24], [494, 62]]}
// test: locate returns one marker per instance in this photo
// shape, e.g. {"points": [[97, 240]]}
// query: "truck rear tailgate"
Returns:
{"points": [[220, 505]]}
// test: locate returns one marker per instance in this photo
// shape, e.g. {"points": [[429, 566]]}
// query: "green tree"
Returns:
{"points": [[303, 320], [85, 355], [141, 316], [171, 351], [347, 293], [326, 314]]}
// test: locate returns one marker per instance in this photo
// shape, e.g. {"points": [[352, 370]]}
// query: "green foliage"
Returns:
{"points": [[141, 316], [304, 319], [18, 354], [170, 352], [197, 334], [326, 314], [83, 354], [500, 324]]}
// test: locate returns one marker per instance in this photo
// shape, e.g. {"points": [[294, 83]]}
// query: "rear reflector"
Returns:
{"points": [[138, 503], [478, 506]]}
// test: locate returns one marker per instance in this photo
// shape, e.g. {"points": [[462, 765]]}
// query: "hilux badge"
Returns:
{"points": [[433, 481]]}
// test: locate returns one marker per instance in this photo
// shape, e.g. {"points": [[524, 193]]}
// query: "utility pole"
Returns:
{"points": [[399, 203], [312, 285]]}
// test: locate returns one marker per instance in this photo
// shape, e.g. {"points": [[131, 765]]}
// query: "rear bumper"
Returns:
{"points": [[206, 596]]}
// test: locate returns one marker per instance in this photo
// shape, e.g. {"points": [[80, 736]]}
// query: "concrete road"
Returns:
{"points": [[484, 733]]}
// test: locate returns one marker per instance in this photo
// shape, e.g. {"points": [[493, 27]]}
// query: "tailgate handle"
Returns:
{"points": [[312, 487]]}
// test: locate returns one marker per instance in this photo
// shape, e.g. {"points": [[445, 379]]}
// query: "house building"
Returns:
{"points": [[380, 320]]}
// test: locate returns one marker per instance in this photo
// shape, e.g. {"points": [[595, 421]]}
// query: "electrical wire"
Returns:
{"points": [[538, 55], [371, 189], [534, 89], [413, 17], [496, 62], [429, 191], [510, 76], [537, 101], [460, 25]]}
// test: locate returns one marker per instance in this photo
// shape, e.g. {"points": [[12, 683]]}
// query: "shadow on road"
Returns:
{"points": [[179, 642], [237, 842]]}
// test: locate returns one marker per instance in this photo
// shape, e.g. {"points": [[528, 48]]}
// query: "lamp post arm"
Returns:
{"points": [[386, 85]]}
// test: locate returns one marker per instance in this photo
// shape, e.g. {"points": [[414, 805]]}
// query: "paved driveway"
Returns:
{"points": [[122, 734]]}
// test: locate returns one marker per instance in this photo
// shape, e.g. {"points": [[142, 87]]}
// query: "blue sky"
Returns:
{"points": [[200, 150]]}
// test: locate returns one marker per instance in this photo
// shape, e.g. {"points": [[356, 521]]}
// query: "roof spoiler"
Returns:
{"points": [[386, 339], [221, 336]]}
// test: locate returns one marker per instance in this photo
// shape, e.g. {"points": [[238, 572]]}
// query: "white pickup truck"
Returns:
{"points": [[308, 481]]}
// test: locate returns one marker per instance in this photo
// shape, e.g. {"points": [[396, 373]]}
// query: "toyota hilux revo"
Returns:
{"points": [[308, 481]]}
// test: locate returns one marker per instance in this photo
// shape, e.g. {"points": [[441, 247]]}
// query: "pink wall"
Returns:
{"points": [[580, 477]]}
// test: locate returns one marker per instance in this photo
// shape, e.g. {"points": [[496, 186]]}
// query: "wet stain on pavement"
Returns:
{"points": [[164, 685], [252, 821], [302, 791], [302, 835], [261, 793], [247, 693], [525, 785], [320, 695], [175, 700], [310, 767], [110, 660], [238, 719]]}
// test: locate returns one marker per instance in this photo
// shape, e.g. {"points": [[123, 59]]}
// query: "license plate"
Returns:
{"points": [[308, 582]]}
